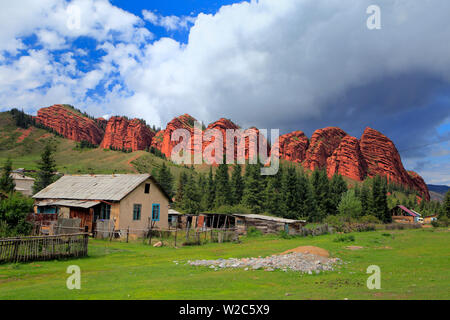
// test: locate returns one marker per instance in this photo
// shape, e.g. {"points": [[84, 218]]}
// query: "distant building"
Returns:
{"points": [[404, 215], [267, 224], [23, 183], [126, 200]]}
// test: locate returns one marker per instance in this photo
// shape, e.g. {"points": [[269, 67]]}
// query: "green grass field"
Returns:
{"points": [[414, 265]]}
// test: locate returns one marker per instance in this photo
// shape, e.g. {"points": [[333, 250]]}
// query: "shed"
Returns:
{"points": [[402, 214], [23, 184], [267, 224]]}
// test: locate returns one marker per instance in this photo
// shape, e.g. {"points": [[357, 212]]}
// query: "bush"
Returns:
{"points": [[345, 238], [13, 214], [284, 235], [253, 232], [370, 219]]}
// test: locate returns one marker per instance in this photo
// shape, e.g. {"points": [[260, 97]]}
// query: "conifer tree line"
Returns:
{"points": [[291, 193]]}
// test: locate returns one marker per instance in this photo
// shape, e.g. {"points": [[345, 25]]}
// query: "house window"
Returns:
{"points": [[105, 211], [137, 212], [47, 210], [147, 188], [155, 212]]}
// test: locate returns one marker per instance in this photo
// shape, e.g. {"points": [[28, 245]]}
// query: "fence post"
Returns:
{"points": [[176, 231], [128, 233]]}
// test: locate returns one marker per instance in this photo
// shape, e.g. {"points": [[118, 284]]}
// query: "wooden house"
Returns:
{"points": [[131, 201]]}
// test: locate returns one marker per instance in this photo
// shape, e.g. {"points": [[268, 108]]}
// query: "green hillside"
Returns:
{"points": [[25, 145]]}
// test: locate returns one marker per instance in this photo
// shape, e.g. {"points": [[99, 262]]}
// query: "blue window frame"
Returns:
{"points": [[137, 212], [155, 212]]}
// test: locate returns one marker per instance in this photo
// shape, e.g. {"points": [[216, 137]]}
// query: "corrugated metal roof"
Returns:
{"points": [[407, 211], [92, 187], [262, 217], [68, 203]]}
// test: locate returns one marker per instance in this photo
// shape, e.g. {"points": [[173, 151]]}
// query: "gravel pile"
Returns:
{"points": [[302, 262]]}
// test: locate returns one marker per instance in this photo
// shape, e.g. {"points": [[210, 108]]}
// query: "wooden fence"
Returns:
{"points": [[43, 248]]}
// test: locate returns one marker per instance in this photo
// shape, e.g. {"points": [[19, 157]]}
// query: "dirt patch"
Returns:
{"points": [[309, 249], [354, 248], [25, 134]]}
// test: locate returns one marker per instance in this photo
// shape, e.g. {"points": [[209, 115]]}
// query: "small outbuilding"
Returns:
{"points": [[402, 214], [267, 224], [23, 184]]}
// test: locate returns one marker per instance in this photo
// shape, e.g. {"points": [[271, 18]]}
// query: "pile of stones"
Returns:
{"points": [[301, 262]]}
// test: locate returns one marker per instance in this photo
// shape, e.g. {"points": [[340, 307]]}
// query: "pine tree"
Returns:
{"points": [[253, 196], [384, 210], [46, 169], [223, 196], [338, 187], [182, 181], [305, 198], [191, 197], [290, 194], [210, 194], [237, 185], [273, 197], [364, 196], [165, 179], [6, 181], [322, 195]]}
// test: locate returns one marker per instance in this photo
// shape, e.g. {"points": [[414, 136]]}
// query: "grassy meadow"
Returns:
{"points": [[414, 265]]}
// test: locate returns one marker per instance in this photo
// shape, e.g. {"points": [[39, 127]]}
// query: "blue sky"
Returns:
{"points": [[291, 65]]}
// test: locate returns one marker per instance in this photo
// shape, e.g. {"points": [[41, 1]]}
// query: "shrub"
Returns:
{"points": [[345, 238], [283, 234], [253, 232], [13, 214], [369, 219]]}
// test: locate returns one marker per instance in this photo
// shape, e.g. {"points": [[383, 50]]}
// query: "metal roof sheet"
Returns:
{"points": [[262, 217], [408, 211], [68, 203], [92, 187]]}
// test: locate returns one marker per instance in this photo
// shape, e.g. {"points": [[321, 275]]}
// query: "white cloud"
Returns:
{"points": [[169, 23]]}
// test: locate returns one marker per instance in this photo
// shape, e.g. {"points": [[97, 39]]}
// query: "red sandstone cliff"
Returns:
{"points": [[70, 123], [124, 134], [322, 145], [347, 160], [293, 146], [162, 140]]}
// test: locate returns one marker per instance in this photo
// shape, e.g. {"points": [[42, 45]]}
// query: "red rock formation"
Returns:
{"points": [[293, 146], [102, 123], [124, 134], [158, 139], [163, 140], [221, 125], [419, 185], [70, 123], [383, 159], [347, 160], [322, 145]]}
